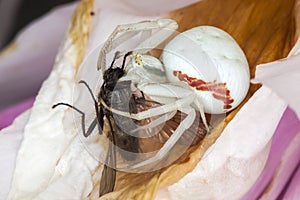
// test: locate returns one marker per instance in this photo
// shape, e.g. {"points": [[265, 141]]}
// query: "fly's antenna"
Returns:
{"points": [[115, 58], [124, 60]]}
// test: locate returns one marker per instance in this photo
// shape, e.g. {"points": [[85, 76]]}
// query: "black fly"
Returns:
{"points": [[120, 96]]}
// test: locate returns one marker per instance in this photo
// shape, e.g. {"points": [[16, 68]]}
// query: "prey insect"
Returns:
{"points": [[120, 95]]}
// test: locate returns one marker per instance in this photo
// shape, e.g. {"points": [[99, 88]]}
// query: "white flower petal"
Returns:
{"points": [[10, 141], [283, 77]]}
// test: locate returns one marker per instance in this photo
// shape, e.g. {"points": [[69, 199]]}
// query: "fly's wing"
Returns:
{"points": [[192, 136], [108, 178], [107, 182], [158, 135], [122, 99]]}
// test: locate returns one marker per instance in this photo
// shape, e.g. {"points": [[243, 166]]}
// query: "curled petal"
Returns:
{"points": [[284, 141], [283, 78], [293, 191], [284, 170], [9, 114]]}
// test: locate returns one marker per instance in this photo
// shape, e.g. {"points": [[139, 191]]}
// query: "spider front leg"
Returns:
{"points": [[152, 112], [169, 91], [172, 97], [130, 30], [164, 94]]}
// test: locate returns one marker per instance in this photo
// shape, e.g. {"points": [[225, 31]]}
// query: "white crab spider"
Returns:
{"points": [[216, 84]]}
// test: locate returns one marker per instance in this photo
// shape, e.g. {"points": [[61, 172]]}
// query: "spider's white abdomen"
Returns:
{"points": [[212, 63]]}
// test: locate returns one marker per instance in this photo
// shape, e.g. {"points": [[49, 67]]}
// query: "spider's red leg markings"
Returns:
{"points": [[219, 90]]}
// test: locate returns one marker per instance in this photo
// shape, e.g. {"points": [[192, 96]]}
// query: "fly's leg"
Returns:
{"points": [[92, 125]]}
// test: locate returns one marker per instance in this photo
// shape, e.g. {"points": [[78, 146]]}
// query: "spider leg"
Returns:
{"points": [[168, 90], [119, 40], [160, 110], [157, 38], [202, 114], [145, 34], [182, 127], [164, 94], [131, 30], [154, 123], [111, 43]]}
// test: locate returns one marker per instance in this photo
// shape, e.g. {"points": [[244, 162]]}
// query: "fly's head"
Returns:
{"points": [[111, 77]]}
